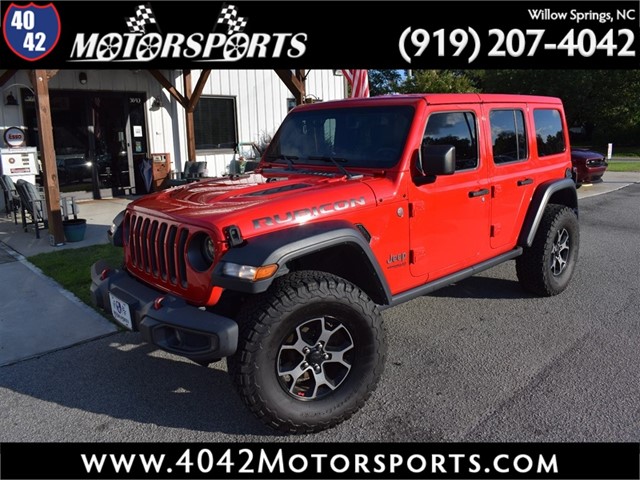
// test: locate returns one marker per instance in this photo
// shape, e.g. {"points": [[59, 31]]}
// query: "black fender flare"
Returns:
{"points": [[283, 246], [541, 197]]}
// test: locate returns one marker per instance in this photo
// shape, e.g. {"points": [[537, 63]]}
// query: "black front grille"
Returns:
{"points": [[158, 249]]}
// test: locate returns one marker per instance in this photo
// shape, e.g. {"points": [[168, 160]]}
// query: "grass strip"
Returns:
{"points": [[72, 268]]}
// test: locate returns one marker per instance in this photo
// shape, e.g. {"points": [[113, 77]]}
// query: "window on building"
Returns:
{"points": [[508, 137], [457, 129], [549, 132], [215, 123]]}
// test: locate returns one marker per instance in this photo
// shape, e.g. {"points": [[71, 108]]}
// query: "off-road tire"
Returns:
{"points": [[546, 267], [268, 322]]}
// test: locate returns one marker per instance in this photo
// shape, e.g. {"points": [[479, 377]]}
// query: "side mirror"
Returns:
{"points": [[438, 159]]}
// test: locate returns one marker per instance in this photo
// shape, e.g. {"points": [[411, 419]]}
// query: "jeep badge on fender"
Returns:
{"points": [[286, 274]]}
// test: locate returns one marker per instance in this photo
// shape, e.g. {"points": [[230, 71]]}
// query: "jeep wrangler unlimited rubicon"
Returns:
{"points": [[357, 205]]}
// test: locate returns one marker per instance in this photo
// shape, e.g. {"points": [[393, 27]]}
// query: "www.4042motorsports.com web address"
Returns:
{"points": [[246, 461]]}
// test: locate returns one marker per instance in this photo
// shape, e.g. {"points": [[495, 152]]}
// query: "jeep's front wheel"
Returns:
{"points": [[311, 351], [546, 267]]}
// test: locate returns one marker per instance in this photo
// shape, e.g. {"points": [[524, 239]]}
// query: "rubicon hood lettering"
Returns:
{"points": [[308, 213]]}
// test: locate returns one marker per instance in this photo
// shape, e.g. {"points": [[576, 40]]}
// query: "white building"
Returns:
{"points": [[106, 121]]}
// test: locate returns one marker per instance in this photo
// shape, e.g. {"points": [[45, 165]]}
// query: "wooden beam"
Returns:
{"points": [[40, 83], [51, 74], [191, 127], [6, 76], [157, 74], [195, 97], [295, 82], [188, 100]]}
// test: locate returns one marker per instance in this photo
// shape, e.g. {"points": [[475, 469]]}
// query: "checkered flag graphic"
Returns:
{"points": [[134, 25], [144, 16], [229, 16]]}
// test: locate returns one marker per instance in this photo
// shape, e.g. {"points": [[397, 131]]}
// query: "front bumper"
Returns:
{"points": [[591, 174], [174, 325]]}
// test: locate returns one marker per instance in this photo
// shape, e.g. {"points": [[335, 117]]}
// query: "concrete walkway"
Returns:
{"points": [[611, 181], [38, 316], [98, 213]]}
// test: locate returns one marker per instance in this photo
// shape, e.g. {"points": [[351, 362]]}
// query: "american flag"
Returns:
{"points": [[359, 81], [229, 16], [144, 16]]}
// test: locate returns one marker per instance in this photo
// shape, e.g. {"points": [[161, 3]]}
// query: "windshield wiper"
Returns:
{"points": [[287, 158], [334, 160]]}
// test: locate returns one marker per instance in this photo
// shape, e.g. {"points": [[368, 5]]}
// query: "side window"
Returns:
{"points": [[549, 133], [508, 136], [457, 129]]}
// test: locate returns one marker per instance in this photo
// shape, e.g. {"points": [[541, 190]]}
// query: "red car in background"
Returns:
{"points": [[589, 165]]}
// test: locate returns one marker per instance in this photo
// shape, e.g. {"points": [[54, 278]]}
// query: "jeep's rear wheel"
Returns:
{"points": [[311, 351], [546, 267]]}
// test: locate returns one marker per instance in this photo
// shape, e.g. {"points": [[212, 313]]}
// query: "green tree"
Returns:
{"points": [[384, 82], [438, 81], [603, 102]]}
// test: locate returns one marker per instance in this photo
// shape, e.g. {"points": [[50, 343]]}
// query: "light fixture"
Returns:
{"points": [[82, 78], [311, 98], [11, 100], [156, 104]]}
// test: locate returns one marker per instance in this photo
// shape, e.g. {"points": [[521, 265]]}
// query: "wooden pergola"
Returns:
{"points": [[294, 80]]}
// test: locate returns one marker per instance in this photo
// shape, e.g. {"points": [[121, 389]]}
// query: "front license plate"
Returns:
{"points": [[120, 311]]}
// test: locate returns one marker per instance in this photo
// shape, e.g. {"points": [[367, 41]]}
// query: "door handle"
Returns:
{"points": [[479, 193], [526, 181]]}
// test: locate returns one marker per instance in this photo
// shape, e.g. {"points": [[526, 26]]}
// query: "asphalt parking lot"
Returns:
{"points": [[478, 361]]}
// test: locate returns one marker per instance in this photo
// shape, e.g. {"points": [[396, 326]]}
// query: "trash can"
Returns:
{"points": [[74, 229]]}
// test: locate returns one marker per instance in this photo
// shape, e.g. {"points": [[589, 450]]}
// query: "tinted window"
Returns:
{"points": [[508, 137], [367, 136], [457, 129], [549, 133], [215, 123]]}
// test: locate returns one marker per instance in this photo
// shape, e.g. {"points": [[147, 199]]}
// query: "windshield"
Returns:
{"points": [[357, 137]]}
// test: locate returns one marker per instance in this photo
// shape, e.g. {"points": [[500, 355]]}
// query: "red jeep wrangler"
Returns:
{"points": [[358, 205]]}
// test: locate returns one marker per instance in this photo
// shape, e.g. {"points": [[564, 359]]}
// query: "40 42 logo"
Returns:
{"points": [[31, 31]]}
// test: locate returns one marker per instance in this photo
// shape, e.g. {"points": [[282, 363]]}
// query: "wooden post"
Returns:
{"points": [[166, 84], [295, 82], [197, 93], [188, 101], [40, 81], [191, 128], [302, 82]]}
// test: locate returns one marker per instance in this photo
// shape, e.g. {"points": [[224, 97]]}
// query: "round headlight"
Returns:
{"points": [[208, 249], [201, 252]]}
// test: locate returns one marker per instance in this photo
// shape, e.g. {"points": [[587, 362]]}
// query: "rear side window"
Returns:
{"points": [[549, 133], [457, 129], [508, 137]]}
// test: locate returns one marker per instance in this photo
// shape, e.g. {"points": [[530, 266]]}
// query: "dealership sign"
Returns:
{"points": [[231, 44]]}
